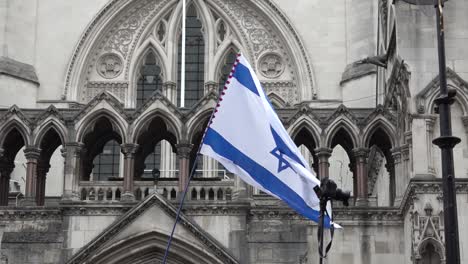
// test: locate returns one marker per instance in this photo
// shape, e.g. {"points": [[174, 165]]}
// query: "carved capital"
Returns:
{"points": [[129, 149], [32, 153], [323, 153], [396, 154], [184, 149], [361, 154], [211, 86], [75, 148]]}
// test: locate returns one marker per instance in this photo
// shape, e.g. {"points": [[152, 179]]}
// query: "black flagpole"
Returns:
{"points": [[446, 142]]}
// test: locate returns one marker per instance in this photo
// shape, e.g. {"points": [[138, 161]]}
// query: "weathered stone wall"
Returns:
{"points": [[31, 236]]}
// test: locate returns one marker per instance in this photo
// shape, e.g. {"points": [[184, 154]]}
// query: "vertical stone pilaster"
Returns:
{"points": [[129, 151], [183, 154], [72, 170], [398, 171], [170, 91], [360, 155], [32, 156], [429, 137], [390, 166], [323, 154]]}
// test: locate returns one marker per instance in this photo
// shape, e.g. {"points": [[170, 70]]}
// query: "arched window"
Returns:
{"points": [[226, 68], [429, 255], [106, 164], [194, 59], [149, 80]]}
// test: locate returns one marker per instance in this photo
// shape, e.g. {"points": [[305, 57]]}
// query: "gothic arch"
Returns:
{"points": [[276, 100], [221, 53], [88, 123], [425, 98], [112, 40], [141, 123], [379, 122], [438, 246], [21, 127], [342, 123], [139, 246], [149, 45], [195, 124], [45, 126], [307, 124]]}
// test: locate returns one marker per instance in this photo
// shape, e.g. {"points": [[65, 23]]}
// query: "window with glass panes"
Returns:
{"points": [[106, 164], [226, 68], [194, 59], [149, 80], [152, 161]]}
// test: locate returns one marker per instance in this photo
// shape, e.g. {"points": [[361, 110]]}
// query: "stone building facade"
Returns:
{"points": [[90, 107]]}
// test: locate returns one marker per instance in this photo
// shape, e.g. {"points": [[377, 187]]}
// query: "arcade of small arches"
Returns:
{"points": [[103, 152]]}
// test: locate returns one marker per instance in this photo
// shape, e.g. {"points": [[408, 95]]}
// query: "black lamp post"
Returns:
{"points": [[446, 142], [156, 173]]}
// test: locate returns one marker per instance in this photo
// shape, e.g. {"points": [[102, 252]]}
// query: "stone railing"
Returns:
{"points": [[204, 189]]}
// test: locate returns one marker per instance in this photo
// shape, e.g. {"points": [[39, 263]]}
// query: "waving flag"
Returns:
{"points": [[247, 137]]}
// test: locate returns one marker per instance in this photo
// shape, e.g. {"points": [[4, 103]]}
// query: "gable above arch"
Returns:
{"points": [[136, 230], [425, 98]]}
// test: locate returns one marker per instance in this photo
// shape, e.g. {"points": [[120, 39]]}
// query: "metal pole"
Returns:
{"points": [[182, 66], [323, 207], [446, 142]]}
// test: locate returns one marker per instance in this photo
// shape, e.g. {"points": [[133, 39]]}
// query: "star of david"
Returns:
{"points": [[282, 162]]}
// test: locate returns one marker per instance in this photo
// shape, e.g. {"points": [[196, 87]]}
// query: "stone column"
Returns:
{"points": [[5, 172], [323, 154], [390, 166], [361, 154], [32, 156], [129, 151], [42, 170], [183, 154], [398, 171], [72, 153], [169, 90]]}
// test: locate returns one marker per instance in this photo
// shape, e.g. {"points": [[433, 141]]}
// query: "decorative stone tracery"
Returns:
{"points": [[120, 33]]}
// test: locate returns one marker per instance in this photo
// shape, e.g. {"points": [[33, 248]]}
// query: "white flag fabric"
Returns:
{"points": [[247, 137]]}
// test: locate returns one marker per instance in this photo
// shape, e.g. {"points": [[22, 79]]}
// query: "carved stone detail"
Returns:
{"points": [[427, 228], [257, 31], [287, 90], [109, 65], [271, 65], [119, 89]]}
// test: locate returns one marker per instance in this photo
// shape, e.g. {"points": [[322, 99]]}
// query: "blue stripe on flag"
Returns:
{"points": [[243, 75], [261, 175]]}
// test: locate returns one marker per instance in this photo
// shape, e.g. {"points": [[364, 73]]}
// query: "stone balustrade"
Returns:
{"points": [[199, 190]]}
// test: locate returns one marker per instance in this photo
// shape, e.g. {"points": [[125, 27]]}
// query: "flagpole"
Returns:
{"points": [[182, 68], [192, 171]]}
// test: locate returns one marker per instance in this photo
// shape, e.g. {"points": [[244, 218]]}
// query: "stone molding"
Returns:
{"points": [[424, 99], [30, 214], [18, 70]]}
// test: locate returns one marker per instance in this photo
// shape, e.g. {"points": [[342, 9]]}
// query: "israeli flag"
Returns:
{"points": [[247, 137]]}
